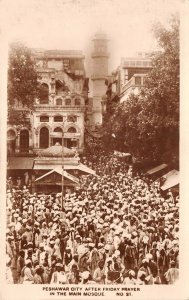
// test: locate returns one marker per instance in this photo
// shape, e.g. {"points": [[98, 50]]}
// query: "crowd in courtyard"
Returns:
{"points": [[117, 228]]}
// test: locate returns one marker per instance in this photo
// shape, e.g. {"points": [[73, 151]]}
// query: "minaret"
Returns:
{"points": [[99, 73]]}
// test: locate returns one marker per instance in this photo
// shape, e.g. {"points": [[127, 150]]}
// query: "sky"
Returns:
{"points": [[71, 24]]}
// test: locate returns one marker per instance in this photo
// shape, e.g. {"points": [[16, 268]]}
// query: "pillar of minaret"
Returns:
{"points": [[99, 73]]}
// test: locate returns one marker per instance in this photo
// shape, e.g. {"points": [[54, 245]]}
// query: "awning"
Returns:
{"points": [[45, 166], [66, 174], [20, 163], [156, 169], [170, 173], [80, 167], [85, 169], [172, 179], [59, 171]]}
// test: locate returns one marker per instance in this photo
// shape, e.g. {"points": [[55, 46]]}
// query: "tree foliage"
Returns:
{"points": [[22, 78], [147, 125]]}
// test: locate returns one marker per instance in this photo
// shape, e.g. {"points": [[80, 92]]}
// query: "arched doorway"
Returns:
{"points": [[24, 141], [44, 138], [11, 141]]}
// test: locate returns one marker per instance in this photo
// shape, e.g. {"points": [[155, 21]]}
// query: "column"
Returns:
{"points": [[30, 142], [37, 140], [17, 150]]}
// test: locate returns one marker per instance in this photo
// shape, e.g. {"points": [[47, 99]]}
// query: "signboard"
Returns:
{"points": [[56, 134], [66, 135], [71, 135]]}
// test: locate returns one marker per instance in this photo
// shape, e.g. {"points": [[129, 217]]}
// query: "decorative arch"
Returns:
{"points": [[44, 81], [41, 126], [24, 128], [58, 129], [72, 129], [76, 127]]}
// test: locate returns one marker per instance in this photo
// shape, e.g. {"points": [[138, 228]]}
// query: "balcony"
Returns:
{"points": [[138, 80], [100, 54]]}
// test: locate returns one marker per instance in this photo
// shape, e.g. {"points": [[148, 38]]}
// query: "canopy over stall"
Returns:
{"points": [[20, 163], [51, 182], [56, 156], [80, 167], [171, 180], [156, 169]]}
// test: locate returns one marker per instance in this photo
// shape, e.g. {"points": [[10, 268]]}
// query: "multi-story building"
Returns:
{"points": [[59, 111], [128, 78], [132, 74], [57, 117]]}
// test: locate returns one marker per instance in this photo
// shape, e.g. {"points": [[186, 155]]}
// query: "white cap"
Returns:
{"points": [[140, 273], [85, 275], [132, 273], [27, 261], [149, 256], [117, 253]]}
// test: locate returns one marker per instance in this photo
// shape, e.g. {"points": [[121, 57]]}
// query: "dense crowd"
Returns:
{"points": [[117, 228]]}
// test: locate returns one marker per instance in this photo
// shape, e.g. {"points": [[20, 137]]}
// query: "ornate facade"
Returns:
{"points": [[59, 111]]}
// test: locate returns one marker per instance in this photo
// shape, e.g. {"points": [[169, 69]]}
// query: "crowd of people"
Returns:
{"points": [[117, 228]]}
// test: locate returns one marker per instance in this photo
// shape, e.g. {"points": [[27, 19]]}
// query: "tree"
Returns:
{"points": [[147, 125], [159, 100], [22, 80]]}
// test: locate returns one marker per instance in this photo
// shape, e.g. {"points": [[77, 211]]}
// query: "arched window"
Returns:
{"points": [[44, 138], [59, 101], [58, 119], [77, 101], [68, 101], [72, 130], [58, 129], [24, 140], [44, 94], [44, 119]]}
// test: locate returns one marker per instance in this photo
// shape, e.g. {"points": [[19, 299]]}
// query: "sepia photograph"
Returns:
{"points": [[91, 202]]}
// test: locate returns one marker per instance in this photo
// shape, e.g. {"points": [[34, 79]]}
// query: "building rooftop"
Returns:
{"points": [[136, 62], [57, 53], [57, 151]]}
